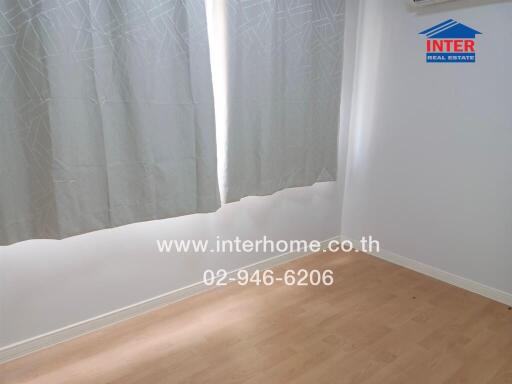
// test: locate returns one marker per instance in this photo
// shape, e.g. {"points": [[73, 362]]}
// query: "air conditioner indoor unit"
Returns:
{"points": [[422, 3]]}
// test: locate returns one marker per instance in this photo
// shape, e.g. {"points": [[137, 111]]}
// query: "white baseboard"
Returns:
{"points": [[439, 274], [25, 347]]}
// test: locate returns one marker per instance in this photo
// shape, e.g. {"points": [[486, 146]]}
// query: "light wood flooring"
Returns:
{"points": [[377, 324]]}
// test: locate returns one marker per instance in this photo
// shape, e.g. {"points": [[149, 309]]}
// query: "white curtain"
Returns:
{"points": [[284, 63], [106, 114]]}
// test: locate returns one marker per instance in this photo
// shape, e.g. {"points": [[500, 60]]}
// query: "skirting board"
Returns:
{"points": [[439, 274], [25, 347]]}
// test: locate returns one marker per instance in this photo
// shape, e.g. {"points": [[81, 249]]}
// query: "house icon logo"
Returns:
{"points": [[451, 42]]}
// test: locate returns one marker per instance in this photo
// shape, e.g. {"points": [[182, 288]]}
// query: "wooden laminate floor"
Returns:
{"points": [[377, 324]]}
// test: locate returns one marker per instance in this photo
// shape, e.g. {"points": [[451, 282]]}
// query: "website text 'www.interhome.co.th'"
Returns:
{"points": [[366, 244]]}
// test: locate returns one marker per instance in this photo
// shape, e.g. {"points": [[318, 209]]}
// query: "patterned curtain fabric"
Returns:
{"points": [[106, 111], [284, 64]]}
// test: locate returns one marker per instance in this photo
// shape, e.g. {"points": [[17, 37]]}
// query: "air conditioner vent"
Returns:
{"points": [[423, 3]]}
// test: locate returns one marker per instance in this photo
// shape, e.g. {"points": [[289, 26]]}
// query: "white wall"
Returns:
{"points": [[48, 284], [431, 144]]}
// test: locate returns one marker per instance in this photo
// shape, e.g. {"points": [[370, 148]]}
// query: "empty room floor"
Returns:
{"points": [[379, 323]]}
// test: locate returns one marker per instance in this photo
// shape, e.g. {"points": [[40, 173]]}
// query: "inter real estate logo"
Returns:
{"points": [[451, 42]]}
